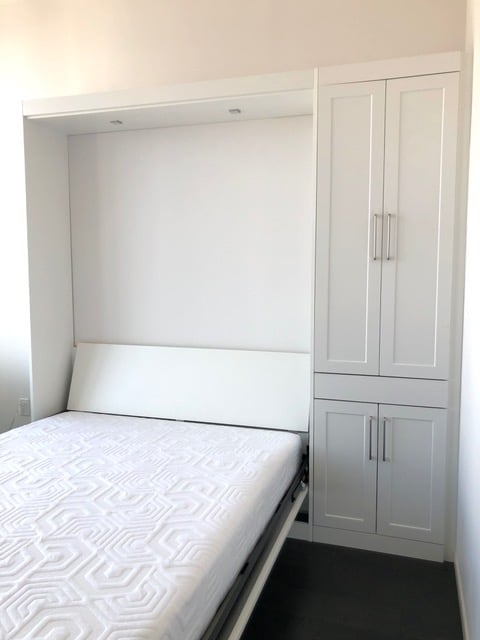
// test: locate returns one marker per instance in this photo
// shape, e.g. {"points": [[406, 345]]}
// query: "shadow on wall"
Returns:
{"points": [[14, 398]]}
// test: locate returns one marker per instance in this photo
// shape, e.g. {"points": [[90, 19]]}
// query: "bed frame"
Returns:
{"points": [[233, 614], [232, 387]]}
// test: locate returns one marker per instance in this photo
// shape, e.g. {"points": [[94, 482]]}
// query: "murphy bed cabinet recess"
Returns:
{"points": [[384, 253]]}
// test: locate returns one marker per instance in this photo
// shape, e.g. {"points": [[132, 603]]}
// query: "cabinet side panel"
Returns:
{"points": [[46, 167]]}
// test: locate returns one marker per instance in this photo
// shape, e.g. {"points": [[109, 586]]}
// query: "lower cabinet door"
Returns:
{"points": [[411, 472], [345, 469]]}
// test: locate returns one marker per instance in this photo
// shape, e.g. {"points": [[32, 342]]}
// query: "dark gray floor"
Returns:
{"points": [[320, 592]]}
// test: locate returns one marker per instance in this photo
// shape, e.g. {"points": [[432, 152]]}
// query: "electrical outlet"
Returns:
{"points": [[23, 407]]}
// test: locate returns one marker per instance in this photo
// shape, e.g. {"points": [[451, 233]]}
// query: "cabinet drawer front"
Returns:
{"points": [[345, 451], [420, 153], [411, 473], [420, 393], [349, 206]]}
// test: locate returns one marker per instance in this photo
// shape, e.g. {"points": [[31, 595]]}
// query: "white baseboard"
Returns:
{"points": [[382, 544], [461, 600]]}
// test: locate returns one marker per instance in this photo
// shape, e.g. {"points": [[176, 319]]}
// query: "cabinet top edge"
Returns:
{"points": [[430, 64]]}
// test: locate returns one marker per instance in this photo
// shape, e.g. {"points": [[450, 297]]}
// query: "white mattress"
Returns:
{"points": [[126, 528]]}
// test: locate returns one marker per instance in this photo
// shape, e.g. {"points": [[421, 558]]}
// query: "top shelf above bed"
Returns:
{"points": [[249, 98]]}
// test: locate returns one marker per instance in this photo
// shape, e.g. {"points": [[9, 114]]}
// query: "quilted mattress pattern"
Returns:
{"points": [[125, 528]]}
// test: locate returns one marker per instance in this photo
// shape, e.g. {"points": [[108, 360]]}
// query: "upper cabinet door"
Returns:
{"points": [[419, 202], [349, 227]]}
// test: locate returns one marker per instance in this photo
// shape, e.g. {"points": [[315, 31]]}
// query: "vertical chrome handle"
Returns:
{"points": [[370, 420], [375, 221], [384, 452], [389, 234]]}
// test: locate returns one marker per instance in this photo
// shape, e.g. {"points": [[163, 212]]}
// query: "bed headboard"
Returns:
{"points": [[254, 388]]}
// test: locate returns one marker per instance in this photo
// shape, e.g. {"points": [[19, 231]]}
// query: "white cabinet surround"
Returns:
{"points": [[383, 144], [386, 196], [166, 222]]}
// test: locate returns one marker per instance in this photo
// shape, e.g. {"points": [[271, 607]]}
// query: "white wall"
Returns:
{"points": [[59, 47], [14, 306], [468, 513], [195, 235]]}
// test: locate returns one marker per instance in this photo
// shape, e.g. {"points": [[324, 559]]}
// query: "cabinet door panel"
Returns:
{"points": [[349, 201], [345, 451], [411, 472], [420, 150]]}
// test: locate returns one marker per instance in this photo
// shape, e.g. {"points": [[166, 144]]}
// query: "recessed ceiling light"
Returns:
{"points": [[234, 112]]}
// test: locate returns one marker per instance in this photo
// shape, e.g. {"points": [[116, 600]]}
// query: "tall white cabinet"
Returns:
{"points": [[385, 219]]}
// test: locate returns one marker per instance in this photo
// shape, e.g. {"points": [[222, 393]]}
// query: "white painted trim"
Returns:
{"points": [[382, 544], [392, 68], [226, 386], [173, 94], [461, 599]]}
